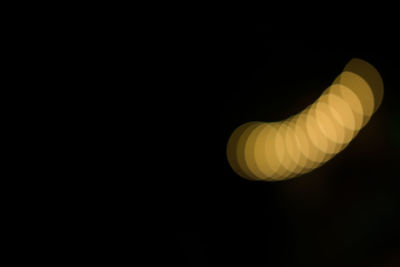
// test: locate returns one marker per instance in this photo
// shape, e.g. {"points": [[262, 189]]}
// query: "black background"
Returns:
{"points": [[345, 213]]}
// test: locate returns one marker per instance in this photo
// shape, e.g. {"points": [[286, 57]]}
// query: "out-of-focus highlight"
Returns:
{"points": [[275, 151]]}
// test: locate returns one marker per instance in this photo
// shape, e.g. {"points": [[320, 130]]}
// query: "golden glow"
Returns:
{"points": [[370, 75], [363, 92], [281, 150]]}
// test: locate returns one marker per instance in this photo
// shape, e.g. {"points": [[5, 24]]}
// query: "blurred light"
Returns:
{"points": [[277, 151], [370, 75]]}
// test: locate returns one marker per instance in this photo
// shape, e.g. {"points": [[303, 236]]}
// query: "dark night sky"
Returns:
{"points": [[345, 213]]}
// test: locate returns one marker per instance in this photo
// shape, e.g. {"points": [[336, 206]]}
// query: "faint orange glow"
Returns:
{"points": [[282, 150]]}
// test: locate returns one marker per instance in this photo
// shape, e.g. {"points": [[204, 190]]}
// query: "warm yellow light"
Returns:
{"points": [[264, 151], [282, 150], [370, 75], [240, 152], [249, 152], [342, 103], [310, 156], [362, 90], [232, 152], [297, 160]]}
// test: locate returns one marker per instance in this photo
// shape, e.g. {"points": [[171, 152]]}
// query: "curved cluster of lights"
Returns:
{"points": [[281, 150]]}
